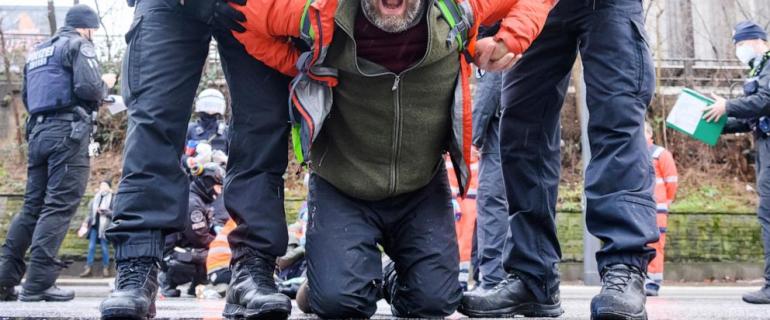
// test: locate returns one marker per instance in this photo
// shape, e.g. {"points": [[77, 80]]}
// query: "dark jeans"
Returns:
{"points": [[763, 185], [57, 173], [417, 232], [161, 72], [93, 238], [619, 79]]}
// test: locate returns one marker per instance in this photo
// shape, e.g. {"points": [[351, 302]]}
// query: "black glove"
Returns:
{"points": [[215, 12]]}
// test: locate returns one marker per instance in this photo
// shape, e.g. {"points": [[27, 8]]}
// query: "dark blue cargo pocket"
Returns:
{"points": [[646, 75], [131, 73]]}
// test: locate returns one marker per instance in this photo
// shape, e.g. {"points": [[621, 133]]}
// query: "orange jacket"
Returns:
{"points": [[666, 179], [270, 23]]}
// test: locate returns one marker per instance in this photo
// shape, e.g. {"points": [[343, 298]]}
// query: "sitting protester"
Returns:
{"points": [[185, 254]]}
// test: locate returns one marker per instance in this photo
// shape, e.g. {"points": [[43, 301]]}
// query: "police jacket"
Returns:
{"points": [[746, 112], [63, 73], [214, 135], [197, 233]]}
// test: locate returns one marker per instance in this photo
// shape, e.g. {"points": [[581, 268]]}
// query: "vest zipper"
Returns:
{"points": [[395, 151]]}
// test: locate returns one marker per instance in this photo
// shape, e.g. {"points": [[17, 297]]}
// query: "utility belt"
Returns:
{"points": [[762, 127], [81, 121]]}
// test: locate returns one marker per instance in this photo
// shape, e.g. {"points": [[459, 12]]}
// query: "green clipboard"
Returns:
{"points": [[687, 117]]}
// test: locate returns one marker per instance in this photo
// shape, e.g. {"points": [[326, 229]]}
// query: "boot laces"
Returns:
{"points": [[133, 273], [505, 282], [617, 279], [261, 273]]}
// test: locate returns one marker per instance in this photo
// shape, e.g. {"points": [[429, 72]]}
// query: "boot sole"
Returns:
{"points": [[619, 316], [529, 310], [38, 298], [126, 313], [267, 312]]}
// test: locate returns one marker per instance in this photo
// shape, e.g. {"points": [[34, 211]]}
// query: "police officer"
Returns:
{"points": [[210, 127], [62, 88], [185, 253], [751, 113], [619, 76], [167, 48]]}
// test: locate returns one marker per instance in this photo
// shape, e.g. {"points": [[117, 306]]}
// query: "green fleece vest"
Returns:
{"points": [[386, 133]]}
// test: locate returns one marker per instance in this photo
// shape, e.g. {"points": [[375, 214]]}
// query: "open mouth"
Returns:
{"points": [[392, 7]]}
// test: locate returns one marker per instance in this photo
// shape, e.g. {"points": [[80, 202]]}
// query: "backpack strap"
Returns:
{"points": [[459, 16]]}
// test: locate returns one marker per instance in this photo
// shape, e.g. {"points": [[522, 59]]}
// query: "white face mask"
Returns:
{"points": [[745, 53]]}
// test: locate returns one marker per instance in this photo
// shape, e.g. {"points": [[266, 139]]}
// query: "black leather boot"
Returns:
{"points": [[762, 296], [622, 296], [53, 293], [136, 285], [8, 293], [508, 299], [253, 293]]}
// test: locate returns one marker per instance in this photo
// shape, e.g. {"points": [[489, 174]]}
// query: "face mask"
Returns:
{"points": [[745, 54]]}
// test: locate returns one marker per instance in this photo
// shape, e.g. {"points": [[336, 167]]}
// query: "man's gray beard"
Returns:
{"points": [[414, 12]]}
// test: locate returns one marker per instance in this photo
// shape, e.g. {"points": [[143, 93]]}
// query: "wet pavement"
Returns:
{"points": [[675, 302]]}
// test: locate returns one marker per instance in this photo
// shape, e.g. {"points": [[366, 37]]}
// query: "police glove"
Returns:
{"points": [[215, 12]]}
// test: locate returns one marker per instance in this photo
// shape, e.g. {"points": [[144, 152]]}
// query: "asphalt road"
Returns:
{"points": [[675, 302]]}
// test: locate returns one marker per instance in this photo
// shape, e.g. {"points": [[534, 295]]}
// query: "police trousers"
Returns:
{"points": [[57, 174], [619, 77], [161, 72], [763, 185], [417, 232]]}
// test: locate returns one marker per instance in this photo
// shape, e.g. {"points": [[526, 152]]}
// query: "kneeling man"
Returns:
{"points": [[382, 94]]}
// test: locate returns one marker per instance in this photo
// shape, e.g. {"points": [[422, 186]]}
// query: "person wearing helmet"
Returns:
{"points": [[62, 88], [185, 252], [210, 127]]}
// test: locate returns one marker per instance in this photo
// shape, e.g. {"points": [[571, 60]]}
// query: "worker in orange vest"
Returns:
{"points": [[665, 190], [465, 214]]}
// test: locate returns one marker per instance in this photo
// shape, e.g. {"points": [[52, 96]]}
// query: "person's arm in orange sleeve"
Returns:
{"points": [[522, 20], [269, 24], [669, 173]]}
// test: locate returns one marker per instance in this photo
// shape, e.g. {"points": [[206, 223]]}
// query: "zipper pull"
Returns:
{"points": [[395, 83]]}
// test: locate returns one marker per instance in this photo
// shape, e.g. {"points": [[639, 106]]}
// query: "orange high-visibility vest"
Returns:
{"points": [[219, 249], [666, 183]]}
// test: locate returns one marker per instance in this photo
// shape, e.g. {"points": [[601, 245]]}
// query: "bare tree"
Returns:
{"points": [[9, 80], [52, 16]]}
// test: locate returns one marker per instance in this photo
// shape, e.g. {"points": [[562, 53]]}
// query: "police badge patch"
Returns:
{"points": [[88, 51]]}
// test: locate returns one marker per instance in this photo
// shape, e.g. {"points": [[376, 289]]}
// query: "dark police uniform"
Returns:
{"points": [[214, 134], [751, 113], [62, 87], [185, 252], [161, 71], [619, 76]]}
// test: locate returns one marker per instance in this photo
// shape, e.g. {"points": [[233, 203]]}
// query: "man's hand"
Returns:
{"points": [[216, 12], [494, 56], [110, 79], [715, 111]]}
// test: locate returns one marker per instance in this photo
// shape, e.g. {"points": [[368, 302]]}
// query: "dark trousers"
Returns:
{"points": [[491, 205], [57, 173], [619, 79], [416, 231], [161, 72], [763, 185]]}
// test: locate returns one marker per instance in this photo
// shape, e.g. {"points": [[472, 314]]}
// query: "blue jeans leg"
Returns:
{"points": [[93, 236]]}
